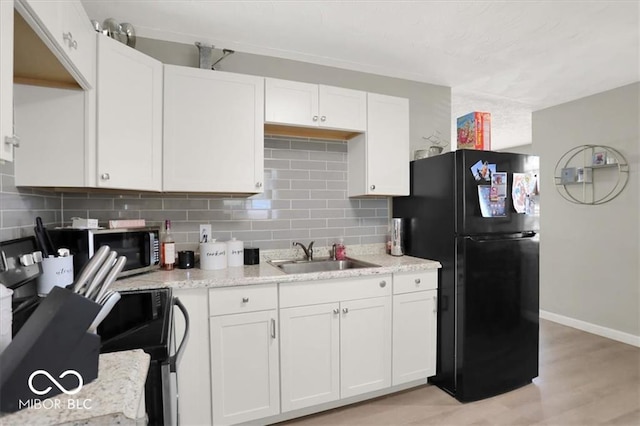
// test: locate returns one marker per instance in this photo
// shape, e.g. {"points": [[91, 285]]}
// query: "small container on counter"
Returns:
{"points": [[213, 255], [186, 259], [251, 256], [235, 255]]}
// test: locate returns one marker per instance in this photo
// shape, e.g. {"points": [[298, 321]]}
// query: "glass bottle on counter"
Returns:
{"points": [[167, 248]]}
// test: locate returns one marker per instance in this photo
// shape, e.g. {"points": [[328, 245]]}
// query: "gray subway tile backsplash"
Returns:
{"points": [[305, 199]]}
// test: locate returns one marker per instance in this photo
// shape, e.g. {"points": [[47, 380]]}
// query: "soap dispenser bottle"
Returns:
{"points": [[340, 250]]}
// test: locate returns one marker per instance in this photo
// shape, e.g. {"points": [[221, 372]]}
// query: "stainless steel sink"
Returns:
{"points": [[320, 265]]}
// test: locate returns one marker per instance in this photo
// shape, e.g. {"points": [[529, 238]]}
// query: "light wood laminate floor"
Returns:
{"points": [[584, 380]]}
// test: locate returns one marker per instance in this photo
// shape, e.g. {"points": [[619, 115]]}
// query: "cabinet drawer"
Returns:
{"points": [[407, 282], [233, 300], [327, 291]]}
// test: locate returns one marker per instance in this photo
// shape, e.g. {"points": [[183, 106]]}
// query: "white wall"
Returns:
{"points": [[589, 254]]}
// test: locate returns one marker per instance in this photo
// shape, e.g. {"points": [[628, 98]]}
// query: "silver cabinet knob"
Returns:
{"points": [[323, 118], [105, 176], [258, 184], [336, 311], [383, 284], [12, 140], [345, 310], [68, 37], [315, 118], [435, 304], [245, 300], [372, 187], [417, 280]]}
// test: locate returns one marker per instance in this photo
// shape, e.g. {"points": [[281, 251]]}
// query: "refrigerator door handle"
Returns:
{"points": [[522, 236]]}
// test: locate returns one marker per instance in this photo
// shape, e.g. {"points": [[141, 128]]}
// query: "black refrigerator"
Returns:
{"points": [[476, 213]]}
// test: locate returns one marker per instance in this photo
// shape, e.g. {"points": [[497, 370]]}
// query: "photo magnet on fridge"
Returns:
{"points": [[498, 186], [489, 208], [482, 170]]}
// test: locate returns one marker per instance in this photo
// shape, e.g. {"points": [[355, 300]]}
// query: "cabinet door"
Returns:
{"points": [[365, 345], [66, 29], [194, 403], [310, 355], [78, 40], [342, 108], [291, 102], [213, 131], [6, 80], [414, 336], [379, 160], [388, 145], [244, 367], [52, 136], [129, 118]]}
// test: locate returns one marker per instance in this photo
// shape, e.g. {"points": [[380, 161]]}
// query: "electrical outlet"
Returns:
{"points": [[205, 233]]}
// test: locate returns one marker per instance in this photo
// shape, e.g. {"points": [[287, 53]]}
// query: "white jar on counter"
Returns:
{"points": [[213, 255], [235, 255]]}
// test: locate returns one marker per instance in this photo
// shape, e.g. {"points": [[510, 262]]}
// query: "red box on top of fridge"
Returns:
{"points": [[474, 131]]}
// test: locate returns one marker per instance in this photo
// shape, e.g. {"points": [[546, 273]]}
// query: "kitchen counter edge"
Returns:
{"points": [[114, 397], [264, 273]]}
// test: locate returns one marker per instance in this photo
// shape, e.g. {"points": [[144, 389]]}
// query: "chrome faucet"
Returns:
{"points": [[308, 252]]}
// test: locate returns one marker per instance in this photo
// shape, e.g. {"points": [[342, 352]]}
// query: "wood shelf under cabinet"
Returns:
{"points": [[308, 132], [33, 62]]}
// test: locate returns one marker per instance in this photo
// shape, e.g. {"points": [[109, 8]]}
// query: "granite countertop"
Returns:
{"points": [[265, 273], [113, 398]]}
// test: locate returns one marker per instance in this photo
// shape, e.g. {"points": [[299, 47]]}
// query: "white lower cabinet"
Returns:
{"points": [[365, 346], [245, 374], [194, 397], [310, 355], [334, 350], [414, 326], [269, 350]]}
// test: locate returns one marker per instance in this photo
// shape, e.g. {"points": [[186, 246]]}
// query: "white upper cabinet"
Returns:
{"points": [[66, 29], [129, 125], [379, 159], [7, 137], [213, 131], [54, 138], [311, 105]]}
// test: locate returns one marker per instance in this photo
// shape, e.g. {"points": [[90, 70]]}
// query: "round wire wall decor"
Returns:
{"points": [[591, 174]]}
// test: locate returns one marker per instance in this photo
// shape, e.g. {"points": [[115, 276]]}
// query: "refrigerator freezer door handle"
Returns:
{"points": [[523, 236]]}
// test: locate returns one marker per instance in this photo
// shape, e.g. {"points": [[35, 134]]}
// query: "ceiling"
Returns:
{"points": [[509, 58]]}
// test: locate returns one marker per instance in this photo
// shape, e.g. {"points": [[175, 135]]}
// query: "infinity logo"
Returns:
{"points": [[55, 382]]}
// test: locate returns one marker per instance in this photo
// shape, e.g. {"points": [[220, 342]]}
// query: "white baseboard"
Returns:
{"points": [[599, 330]]}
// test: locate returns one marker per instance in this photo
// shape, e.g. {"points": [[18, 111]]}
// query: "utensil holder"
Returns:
{"points": [[56, 271], [54, 339]]}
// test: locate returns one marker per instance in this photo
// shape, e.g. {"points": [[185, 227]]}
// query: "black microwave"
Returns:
{"points": [[141, 246]]}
